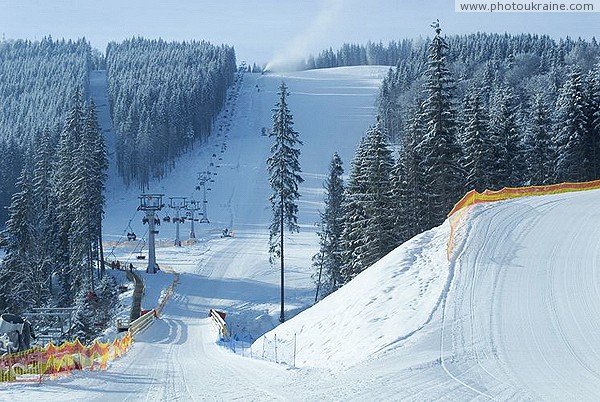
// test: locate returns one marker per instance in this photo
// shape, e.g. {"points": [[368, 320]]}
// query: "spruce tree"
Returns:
{"points": [[284, 176], [477, 150], [505, 134], [369, 231], [16, 273], [408, 179], [329, 259], [439, 147], [65, 190], [572, 136], [539, 145], [593, 117]]}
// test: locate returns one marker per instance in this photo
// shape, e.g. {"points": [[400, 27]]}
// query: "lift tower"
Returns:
{"points": [[204, 178], [192, 207], [151, 203], [177, 203]]}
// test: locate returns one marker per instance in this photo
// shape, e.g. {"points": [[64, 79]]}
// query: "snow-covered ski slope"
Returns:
{"points": [[513, 315]]}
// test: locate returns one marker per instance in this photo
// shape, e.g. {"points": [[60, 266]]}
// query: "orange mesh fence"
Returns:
{"points": [[473, 197], [32, 364]]}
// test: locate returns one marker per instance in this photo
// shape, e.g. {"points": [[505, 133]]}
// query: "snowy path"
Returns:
{"points": [[178, 357], [523, 308], [519, 320]]}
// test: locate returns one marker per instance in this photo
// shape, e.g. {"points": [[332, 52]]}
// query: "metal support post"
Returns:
{"points": [[150, 203]]}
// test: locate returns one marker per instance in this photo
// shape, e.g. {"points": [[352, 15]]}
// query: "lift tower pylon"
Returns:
{"points": [[151, 203], [177, 203], [192, 207]]}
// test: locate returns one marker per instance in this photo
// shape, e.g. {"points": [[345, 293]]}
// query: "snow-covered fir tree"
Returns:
{"points": [[573, 140], [439, 147], [284, 177], [509, 159], [593, 117], [369, 231], [538, 144], [16, 274], [70, 254], [407, 179], [477, 155], [328, 261]]}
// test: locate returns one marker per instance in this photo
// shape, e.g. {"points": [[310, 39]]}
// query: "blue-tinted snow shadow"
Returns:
{"points": [[165, 330], [247, 316]]}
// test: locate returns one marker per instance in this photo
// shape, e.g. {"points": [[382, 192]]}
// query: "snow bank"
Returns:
{"points": [[383, 305]]}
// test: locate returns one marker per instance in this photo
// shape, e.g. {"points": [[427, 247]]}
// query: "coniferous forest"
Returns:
{"points": [[38, 81], [163, 98], [480, 111], [456, 113]]}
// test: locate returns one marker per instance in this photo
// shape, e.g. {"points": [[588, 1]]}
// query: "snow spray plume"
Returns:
{"points": [[292, 57]]}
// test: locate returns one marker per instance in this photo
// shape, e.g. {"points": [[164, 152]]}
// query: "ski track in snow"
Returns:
{"points": [[511, 316]]}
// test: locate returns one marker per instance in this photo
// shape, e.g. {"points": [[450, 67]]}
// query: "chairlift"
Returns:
{"points": [[131, 236], [141, 256], [144, 220], [167, 219]]}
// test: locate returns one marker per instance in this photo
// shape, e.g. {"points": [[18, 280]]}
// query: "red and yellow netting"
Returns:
{"points": [[32, 364], [473, 197]]}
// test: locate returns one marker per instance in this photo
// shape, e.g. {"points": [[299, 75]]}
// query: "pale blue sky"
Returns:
{"points": [[262, 30]]}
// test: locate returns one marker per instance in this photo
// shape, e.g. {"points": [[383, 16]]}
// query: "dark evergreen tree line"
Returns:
{"points": [[479, 111], [55, 216], [489, 111], [164, 96], [37, 80]]}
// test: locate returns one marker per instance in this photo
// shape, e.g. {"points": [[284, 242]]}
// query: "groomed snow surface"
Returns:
{"points": [[512, 315]]}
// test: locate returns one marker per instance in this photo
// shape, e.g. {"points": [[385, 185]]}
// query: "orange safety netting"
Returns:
{"points": [[473, 197], [34, 363]]}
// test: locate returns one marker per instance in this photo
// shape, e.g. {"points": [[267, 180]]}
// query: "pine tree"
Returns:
{"points": [[439, 147], [539, 143], [329, 260], [94, 136], [477, 150], [572, 136], [64, 190], [16, 272], [407, 179], [593, 117], [284, 176], [509, 161], [369, 232], [87, 203], [45, 232]]}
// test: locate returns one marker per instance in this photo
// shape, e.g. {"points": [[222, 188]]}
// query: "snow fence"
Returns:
{"points": [[473, 197], [32, 365]]}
